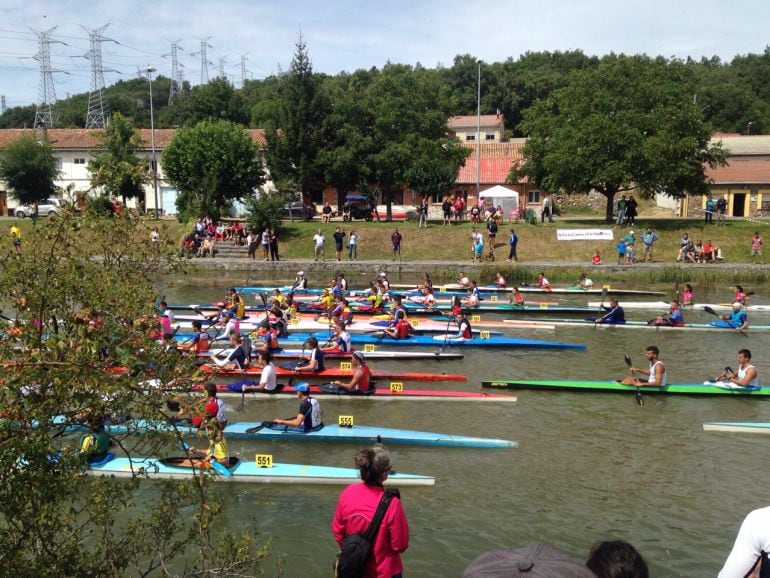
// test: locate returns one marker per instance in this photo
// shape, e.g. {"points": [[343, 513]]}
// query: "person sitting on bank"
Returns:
{"points": [[313, 361], [361, 380], [746, 376], [656, 374], [615, 314], [674, 318], [737, 318], [307, 419]]}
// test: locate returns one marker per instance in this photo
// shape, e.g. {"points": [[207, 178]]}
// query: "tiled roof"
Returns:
{"points": [[496, 162], [85, 139], [741, 171], [742, 144], [471, 121]]}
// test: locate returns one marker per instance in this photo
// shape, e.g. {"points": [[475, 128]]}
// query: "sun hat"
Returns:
{"points": [[535, 561]]}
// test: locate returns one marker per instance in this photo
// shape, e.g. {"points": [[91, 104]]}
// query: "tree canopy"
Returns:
{"points": [[629, 123], [76, 323], [116, 169], [29, 169], [212, 164]]}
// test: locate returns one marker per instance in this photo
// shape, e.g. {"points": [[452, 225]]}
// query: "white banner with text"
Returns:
{"points": [[584, 235]]}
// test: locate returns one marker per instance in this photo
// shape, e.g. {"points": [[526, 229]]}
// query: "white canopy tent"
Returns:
{"points": [[500, 196]]}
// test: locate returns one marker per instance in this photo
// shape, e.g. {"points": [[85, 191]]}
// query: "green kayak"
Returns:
{"points": [[706, 388]]}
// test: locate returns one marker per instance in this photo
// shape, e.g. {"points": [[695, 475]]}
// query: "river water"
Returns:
{"points": [[589, 467]]}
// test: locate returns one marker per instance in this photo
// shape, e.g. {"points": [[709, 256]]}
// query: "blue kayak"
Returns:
{"points": [[261, 430], [430, 340], [243, 471]]}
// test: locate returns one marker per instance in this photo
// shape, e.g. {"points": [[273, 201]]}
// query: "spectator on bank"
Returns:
{"points": [[446, 210], [318, 240], [353, 245], [620, 211], [459, 208], [597, 258], [721, 209], [631, 206], [756, 247], [265, 242], [749, 556], [648, 239], [683, 243], [423, 212], [326, 213], [274, 245], [513, 242], [339, 236], [537, 560], [709, 212]]}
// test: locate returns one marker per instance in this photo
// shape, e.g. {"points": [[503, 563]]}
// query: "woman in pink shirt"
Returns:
{"points": [[356, 508]]}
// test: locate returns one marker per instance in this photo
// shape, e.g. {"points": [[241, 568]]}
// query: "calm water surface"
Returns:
{"points": [[589, 466]]}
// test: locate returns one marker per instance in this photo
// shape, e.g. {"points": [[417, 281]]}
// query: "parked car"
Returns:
{"points": [[49, 207], [298, 210]]}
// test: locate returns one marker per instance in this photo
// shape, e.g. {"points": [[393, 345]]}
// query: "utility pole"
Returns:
{"points": [[98, 114], [204, 59], [2, 104], [478, 135], [176, 86], [46, 96], [149, 71]]}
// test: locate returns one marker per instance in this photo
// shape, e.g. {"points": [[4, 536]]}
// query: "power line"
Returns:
{"points": [[46, 92], [98, 114]]}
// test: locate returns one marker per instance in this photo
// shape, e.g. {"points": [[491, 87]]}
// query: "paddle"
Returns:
{"points": [[629, 363], [218, 468], [711, 311], [601, 304]]}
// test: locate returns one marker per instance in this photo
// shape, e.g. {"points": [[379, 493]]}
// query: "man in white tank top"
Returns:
{"points": [[746, 375], [656, 374]]}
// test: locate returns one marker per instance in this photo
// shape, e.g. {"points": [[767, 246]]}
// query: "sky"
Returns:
{"points": [[344, 35]]}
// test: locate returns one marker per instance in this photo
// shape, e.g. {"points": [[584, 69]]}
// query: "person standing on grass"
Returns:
{"points": [[423, 211], [620, 211], [513, 242], [721, 209], [319, 240], [492, 227], [338, 235], [273, 245], [756, 247], [631, 205], [648, 238], [710, 206], [16, 237], [353, 245], [265, 242], [395, 241], [446, 209]]}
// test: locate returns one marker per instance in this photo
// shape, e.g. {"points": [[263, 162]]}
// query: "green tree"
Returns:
{"points": [[76, 320], [629, 123], [215, 100], [294, 135], [212, 164], [116, 169], [28, 168]]}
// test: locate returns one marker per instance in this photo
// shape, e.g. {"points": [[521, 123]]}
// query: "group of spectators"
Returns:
{"points": [[697, 252], [200, 241]]}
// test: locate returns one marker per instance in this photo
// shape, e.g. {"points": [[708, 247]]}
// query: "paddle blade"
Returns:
{"points": [[220, 469], [627, 359], [639, 397], [708, 309]]}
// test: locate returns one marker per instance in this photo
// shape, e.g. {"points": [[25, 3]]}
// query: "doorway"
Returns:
{"points": [[739, 205]]}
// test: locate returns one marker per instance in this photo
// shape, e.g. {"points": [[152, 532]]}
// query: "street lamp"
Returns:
{"points": [[149, 71]]}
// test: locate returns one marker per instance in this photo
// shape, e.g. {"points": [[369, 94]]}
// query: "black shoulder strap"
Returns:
{"points": [[374, 526]]}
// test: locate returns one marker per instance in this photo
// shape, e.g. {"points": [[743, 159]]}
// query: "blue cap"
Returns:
{"points": [[303, 386]]}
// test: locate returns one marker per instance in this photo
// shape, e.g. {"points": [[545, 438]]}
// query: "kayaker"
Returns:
{"points": [[746, 376], [400, 329], [737, 318], [95, 444], [357, 506], [464, 281], [199, 342], [300, 282], [267, 381], [426, 286], [221, 413], [464, 328], [517, 298], [313, 361], [236, 304], [750, 554], [543, 282], [616, 558], [584, 282], [309, 416], [687, 295], [615, 314], [237, 357], [265, 338], [339, 342], [217, 450], [656, 374], [474, 295], [500, 281], [396, 307], [361, 380], [740, 295], [674, 318], [164, 309]]}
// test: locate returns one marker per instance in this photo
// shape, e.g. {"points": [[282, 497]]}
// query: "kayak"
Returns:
{"points": [[710, 326], [524, 288], [760, 427], [244, 471], [289, 369], [706, 388], [451, 340], [663, 306], [394, 391], [260, 430]]}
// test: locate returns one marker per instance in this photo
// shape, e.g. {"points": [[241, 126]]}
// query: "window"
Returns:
{"points": [[470, 137], [80, 161], [533, 197], [490, 137]]}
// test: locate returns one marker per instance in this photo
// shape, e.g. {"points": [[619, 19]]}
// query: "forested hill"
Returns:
{"points": [[734, 96]]}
